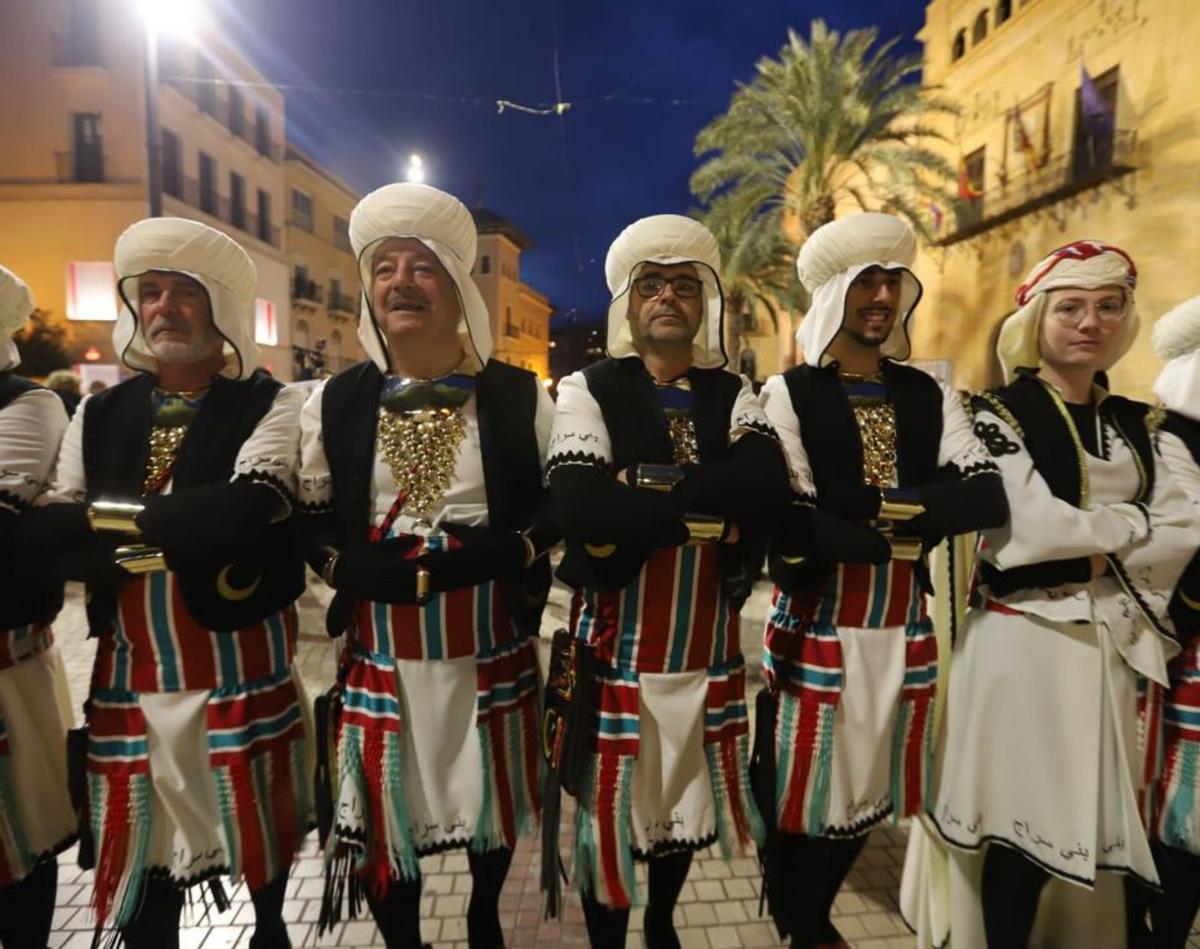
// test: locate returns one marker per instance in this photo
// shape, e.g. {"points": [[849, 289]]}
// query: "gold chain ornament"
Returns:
{"points": [[877, 425], [421, 447]]}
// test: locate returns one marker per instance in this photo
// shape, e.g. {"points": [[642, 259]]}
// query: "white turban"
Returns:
{"points": [[1176, 338], [16, 305], [443, 224], [833, 257], [214, 260], [1083, 265], [666, 239]]}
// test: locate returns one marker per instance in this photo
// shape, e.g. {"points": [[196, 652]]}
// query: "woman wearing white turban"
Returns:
{"points": [[422, 475], [1175, 823], [36, 818], [1054, 701], [850, 650]]}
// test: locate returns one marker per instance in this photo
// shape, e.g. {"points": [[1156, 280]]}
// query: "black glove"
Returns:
{"points": [[91, 562], [592, 507], [379, 572], [810, 532], [487, 554], [959, 507], [850, 500], [196, 522], [49, 529], [749, 486]]}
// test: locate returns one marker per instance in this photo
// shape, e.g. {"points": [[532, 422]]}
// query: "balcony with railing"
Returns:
{"points": [[306, 293], [316, 363], [206, 96], [341, 304], [81, 165], [1058, 178], [219, 206]]}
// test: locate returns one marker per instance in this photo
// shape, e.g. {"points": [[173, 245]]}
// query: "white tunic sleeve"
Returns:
{"points": [[1183, 466], [543, 422], [748, 415], [1042, 527], [272, 452], [959, 446], [778, 411], [68, 482], [31, 427], [578, 435], [315, 481]]}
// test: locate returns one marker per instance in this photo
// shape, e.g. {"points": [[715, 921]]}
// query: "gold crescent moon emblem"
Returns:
{"points": [[600, 551], [229, 592]]}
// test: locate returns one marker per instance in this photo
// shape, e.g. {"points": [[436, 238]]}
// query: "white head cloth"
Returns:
{"points": [[214, 260], [1083, 265], [666, 239], [1176, 338], [828, 264], [443, 224], [16, 305]]}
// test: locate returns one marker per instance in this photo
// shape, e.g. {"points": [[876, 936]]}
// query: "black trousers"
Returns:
{"points": [[27, 907], [398, 912], [1173, 910], [156, 923], [1012, 886], [607, 927], [816, 868]]}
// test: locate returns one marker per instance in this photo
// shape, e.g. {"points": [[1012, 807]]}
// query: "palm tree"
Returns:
{"points": [[758, 272], [837, 118]]}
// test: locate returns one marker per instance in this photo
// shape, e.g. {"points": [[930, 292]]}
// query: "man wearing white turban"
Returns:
{"points": [[872, 445], [1055, 700], [422, 476], [661, 471], [197, 757], [36, 818], [1175, 815]]}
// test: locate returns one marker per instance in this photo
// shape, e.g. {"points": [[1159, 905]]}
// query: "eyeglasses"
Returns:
{"points": [[1072, 313], [652, 285]]}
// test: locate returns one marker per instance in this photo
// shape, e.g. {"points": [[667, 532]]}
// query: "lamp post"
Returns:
{"points": [[159, 17]]}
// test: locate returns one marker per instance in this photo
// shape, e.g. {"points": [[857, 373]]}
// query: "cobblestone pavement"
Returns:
{"points": [[718, 908]]}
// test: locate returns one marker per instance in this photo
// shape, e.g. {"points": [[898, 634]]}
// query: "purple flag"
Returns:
{"points": [[1098, 116]]}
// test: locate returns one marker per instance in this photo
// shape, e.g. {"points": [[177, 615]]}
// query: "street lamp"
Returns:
{"points": [[416, 169], [160, 17]]}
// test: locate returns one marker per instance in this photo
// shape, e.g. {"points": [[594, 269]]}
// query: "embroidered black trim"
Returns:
{"points": [[359, 838], [258, 476], [862, 826], [314, 507], [11, 500], [576, 458], [977, 468], [664, 847], [994, 440], [65, 844], [757, 426], [1127, 583]]}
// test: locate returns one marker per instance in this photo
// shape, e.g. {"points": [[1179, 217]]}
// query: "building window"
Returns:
{"points": [[237, 200], [970, 187], [87, 147], [302, 210], [335, 347], [1095, 125], [82, 42], [341, 232], [237, 112], [262, 131], [485, 264], [979, 30], [208, 184], [959, 49], [1003, 11], [264, 217], [266, 331], [172, 165], [90, 293], [510, 328], [206, 85]]}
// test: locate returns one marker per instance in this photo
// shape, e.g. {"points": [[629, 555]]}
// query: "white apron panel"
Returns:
{"points": [[672, 788]]}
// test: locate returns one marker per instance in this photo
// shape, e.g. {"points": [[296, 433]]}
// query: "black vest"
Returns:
{"points": [[833, 442], [1187, 430], [506, 406], [638, 432], [25, 600], [116, 446], [1184, 609], [1053, 443]]}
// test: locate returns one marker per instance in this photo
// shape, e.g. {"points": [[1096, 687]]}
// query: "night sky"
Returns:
{"points": [[370, 81]]}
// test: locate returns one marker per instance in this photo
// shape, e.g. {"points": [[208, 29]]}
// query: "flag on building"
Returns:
{"points": [[1099, 119], [1022, 142], [938, 215], [967, 190]]}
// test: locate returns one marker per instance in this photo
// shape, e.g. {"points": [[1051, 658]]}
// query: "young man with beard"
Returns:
{"points": [[661, 470], [422, 476], [850, 652], [197, 754]]}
